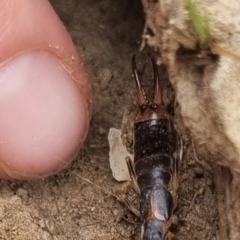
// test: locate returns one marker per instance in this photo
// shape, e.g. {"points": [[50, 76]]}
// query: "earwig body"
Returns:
{"points": [[154, 146]]}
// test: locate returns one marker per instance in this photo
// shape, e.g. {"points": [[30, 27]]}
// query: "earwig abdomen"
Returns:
{"points": [[152, 230], [153, 148]]}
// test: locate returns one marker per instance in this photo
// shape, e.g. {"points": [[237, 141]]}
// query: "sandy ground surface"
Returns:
{"points": [[66, 206]]}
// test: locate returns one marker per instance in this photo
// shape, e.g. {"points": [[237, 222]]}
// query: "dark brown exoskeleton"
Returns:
{"points": [[154, 163]]}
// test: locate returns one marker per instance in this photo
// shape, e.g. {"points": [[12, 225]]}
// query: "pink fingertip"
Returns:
{"points": [[44, 115]]}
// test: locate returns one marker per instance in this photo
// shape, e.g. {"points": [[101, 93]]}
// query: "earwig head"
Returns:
{"points": [[152, 229], [149, 110]]}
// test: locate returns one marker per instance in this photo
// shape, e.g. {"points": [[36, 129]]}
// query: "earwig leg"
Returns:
{"points": [[168, 234], [135, 186], [177, 163], [175, 184], [129, 205], [132, 174]]}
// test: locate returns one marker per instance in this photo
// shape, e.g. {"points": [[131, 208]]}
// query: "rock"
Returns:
{"points": [[208, 94], [117, 155]]}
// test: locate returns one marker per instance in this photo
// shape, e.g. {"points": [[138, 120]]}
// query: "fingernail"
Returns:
{"points": [[44, 116]]}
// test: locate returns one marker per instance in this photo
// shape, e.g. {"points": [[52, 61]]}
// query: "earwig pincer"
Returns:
{"points": [[154, 162]]}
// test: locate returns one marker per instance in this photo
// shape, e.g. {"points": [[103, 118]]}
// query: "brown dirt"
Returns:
{"points": [[66, 206]]}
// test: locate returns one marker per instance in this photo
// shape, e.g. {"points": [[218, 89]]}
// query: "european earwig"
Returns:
{"points": [[154, 163]]}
